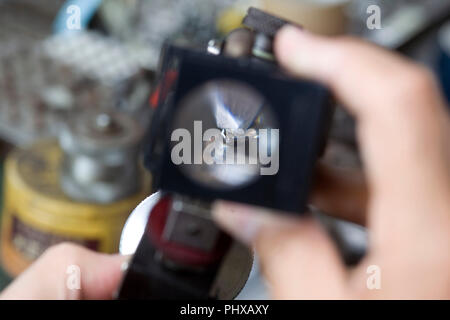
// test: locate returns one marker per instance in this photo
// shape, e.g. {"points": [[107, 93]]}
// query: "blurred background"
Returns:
{"points": [[74, 104]]}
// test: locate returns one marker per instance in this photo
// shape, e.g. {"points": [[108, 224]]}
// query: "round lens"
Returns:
{"points": [[223, 134]]}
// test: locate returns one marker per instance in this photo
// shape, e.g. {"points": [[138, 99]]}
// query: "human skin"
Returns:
{"points": [[47, 278], [403, 196], [403, 132]]}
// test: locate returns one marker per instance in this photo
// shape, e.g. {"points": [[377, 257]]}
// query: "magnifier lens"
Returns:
{"points": [[237, 112]]}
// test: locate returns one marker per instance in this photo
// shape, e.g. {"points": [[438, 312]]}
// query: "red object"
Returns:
{"points": [[176, 252], [167, 82]]}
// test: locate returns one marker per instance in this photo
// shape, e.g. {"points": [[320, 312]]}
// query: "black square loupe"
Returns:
{"points": [[247, 96]]}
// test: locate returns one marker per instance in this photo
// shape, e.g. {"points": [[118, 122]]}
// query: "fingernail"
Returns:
{"points": [[245, 222], [287, 44], [125, 262], [291, 31], [240, 221], [289, 36]]}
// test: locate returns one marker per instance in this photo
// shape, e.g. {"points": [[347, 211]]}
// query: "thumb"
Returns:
{"points": [[297, 257], [99, 275]]}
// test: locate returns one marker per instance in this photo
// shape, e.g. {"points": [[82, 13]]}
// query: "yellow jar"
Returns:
{"points": [[37, 214]]}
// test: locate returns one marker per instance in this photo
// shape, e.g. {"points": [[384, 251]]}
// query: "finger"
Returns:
{"points": [[340, 192], [400, 113], [54, 275], [297, 257], [360, 74]]}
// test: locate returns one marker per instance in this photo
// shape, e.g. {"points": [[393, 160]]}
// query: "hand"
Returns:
{"points": [[47, 277], [403, 130]]}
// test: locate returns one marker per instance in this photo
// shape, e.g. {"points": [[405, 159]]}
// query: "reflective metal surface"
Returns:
{"points": [[233, 279]]}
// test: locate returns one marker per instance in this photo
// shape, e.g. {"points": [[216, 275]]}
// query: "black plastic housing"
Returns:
{"points": [[303, 110]]}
